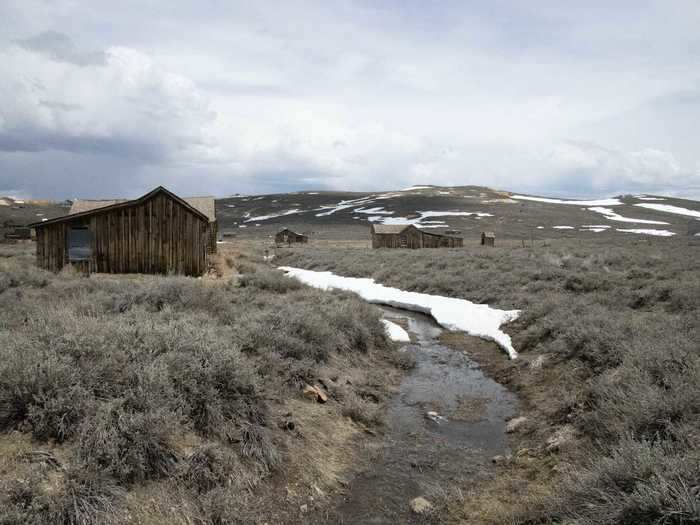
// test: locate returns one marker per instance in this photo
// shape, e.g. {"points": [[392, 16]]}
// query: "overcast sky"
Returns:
{"points": [[103, 98]]}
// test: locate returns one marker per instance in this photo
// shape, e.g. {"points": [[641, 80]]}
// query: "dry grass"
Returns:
{"points": [[609, 352], [162, 397]]}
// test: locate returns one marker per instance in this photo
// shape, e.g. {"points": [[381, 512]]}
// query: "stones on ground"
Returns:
{"points": [[500, 459], [315, 393], [434, 416], [561, 437], [537, 362], [287, 423], [515, 424], [420, 505]]}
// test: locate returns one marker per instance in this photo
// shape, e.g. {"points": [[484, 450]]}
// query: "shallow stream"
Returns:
{"points": [[426, 454]]}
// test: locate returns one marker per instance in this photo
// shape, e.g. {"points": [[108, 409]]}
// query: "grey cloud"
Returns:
{"points": [[34, 140], [59, 47], [361, 95]]}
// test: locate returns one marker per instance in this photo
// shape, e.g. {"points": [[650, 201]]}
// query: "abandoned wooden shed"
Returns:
{"points": [[206, 205], [488, 239], [408, 236], [287, 236], [19, 234], [157, 233]]}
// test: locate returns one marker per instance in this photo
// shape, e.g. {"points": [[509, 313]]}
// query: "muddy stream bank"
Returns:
{"points": [[444, 425]]}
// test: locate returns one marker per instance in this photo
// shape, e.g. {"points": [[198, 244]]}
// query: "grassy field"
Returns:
{"points": [[609, 373], [150, 399]]}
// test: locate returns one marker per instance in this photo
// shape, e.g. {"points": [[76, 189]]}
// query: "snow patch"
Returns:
{"points": [[496, 201], [613, 216], [601, 202], [677, 210], [479, 320], [563, 227], [342, 205], [417, 188], [658, 233], [395, 332], [272, 216], [421, 222], [373, 211], [595, 228], [643, 198], [426, 214]]}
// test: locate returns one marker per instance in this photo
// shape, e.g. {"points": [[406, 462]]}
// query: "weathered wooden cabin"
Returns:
{"points": [[408, 236], [157, 233], [206, 205], [287, 236], [488, 239]]}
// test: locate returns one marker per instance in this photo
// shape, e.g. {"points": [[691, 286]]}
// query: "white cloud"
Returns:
{"points": [[238, 97], [126, 106]]}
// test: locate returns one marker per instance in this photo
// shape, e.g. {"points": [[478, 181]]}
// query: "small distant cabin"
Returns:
{"points": [[287, 236], [488, 239], [408, 236], [156, 233], [19, 234]]}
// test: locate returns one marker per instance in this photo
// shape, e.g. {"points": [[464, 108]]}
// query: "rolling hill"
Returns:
{"points": [[466, 209]]}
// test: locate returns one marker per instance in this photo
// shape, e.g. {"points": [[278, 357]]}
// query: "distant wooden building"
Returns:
{"points": [[21, 233], [408, 236], [488, 239], [287, 236], [157, 233]]}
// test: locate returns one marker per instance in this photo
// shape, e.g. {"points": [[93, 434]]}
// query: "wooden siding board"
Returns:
{"points": [[157, 236]]}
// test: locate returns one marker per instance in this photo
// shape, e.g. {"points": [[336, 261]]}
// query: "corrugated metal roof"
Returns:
{"points": [[81, 205], [204, 205], [389, 228]]}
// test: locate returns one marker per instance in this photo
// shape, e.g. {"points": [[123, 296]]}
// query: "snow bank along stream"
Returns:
{"points": [[479, 320]]}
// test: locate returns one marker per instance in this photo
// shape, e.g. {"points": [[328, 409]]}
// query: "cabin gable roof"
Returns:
{"points": [[85, 210]]}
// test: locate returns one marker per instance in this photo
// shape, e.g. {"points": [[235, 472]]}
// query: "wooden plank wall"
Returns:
{"points": [[159, 235], [414, 239], [212, 233]]}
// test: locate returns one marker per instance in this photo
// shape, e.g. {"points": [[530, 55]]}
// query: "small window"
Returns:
{"points": [[79, 244]]}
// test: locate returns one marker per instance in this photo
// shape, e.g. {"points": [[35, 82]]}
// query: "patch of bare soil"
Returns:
{"points": [[324, 448]]}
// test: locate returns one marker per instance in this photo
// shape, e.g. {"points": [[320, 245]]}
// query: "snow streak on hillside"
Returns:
{"points": [[668, 208], [657, 233], [601, 202], [613, 216], [272, 216]]}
